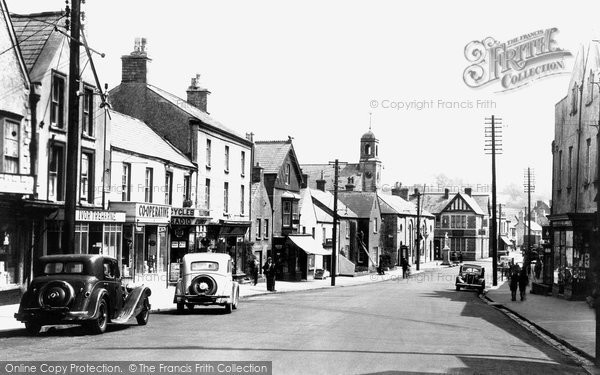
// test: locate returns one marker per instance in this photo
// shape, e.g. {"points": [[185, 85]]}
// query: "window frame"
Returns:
{"points": [[126, 175], [208, 153], [87, 196], [169, 187], [225, 197], [243, 163], [242, 199], [59, 173], [6, 121], [58, 104], [226, 159], [148, 185], [87, 115], [207, 193]]}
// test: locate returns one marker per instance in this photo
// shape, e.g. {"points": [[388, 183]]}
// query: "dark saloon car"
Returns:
{"points": [[81, 289], [471, 276]]}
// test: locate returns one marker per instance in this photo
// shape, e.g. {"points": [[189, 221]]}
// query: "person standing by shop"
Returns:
{"points": [[404, 264], [256, 266], [514, 282], [523, 281], [270, 271]]}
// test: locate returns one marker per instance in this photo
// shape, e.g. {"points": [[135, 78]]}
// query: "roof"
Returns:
{"points": [[436, 202], [33, 31], [326, 199], [393, 204], [327, 172], [270, 155], [131, 134], [360, 202], [368, 136], [534, 226], [194, 111]]}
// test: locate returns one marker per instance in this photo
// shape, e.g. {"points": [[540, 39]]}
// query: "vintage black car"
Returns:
{"points": [[471, 276], [81, 289]]}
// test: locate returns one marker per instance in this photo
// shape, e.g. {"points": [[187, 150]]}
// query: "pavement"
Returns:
{"points": [[572, 323], [162, 296]]}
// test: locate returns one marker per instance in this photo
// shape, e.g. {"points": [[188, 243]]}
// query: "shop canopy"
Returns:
{"points": [[309, 245], [506, 240]]}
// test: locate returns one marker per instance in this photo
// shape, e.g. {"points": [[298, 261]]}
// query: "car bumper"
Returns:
{"points": [[202, 299], [52, 315], [465, 285]]}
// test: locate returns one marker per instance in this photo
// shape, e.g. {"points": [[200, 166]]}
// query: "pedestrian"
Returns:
{"points": [[514, 282], [255, 268], [404, 264], [538, 269], [523, 281], [269, 271]]}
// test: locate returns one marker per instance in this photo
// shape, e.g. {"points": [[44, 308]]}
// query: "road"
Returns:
{"points": [[420, 325]]}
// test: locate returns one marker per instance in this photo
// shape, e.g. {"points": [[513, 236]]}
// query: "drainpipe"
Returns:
{"points": [[34, 98]]}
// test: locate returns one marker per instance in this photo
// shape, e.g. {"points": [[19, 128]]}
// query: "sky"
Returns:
{"points": [[321, 72]]}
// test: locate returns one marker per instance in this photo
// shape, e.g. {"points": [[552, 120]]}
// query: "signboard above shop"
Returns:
{"points": [[16, 183], [94, 216]]}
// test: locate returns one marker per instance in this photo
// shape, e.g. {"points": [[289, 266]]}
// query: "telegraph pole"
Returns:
{"points": [[71, 198], [529, 188], [493, 145], [335, 220]]}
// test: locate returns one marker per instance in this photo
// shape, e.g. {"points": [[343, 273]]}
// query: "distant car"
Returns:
{"points": [[471, 276], [81, 289], [206, 279], [321, 274]]}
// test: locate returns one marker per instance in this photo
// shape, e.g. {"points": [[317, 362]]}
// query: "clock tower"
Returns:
{"points": [[369, 164]]}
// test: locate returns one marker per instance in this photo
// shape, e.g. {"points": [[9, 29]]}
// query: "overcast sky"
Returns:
{"points": [[312, 69]]}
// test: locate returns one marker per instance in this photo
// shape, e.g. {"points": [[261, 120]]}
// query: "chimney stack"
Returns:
{"points": [[446, 193], [403, 193], [468, 191], [257, 173], [350, 185], [134, 67], [196, 95], [397, 188]]}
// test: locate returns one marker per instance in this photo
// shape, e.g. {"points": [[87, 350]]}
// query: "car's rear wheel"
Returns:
{"points": [[99, 324], [190, 306], [144, 315], [33, 328]]}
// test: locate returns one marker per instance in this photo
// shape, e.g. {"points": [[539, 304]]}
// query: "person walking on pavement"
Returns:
{"points": [[514, 282], [255, 270], [404, 264], [269, 271], [523, 281]]}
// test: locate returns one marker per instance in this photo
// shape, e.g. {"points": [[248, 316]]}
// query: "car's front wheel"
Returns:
{"points": [[33, 328], [458, 287], [144, 315], [190, 306], [228, 307], [99, 324]]}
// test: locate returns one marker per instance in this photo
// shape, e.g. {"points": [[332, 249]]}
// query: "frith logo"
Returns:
{"points": [[514, 63]]}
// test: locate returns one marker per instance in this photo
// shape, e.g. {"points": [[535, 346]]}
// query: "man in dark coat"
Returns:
{"points": [[404, 264], [514, 282], [270, 271], [523, 281]]}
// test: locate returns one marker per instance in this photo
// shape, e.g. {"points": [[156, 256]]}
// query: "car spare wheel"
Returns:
{"points": [[56, 294], [203, 284]]}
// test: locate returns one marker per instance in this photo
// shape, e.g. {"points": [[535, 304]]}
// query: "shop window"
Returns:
{"points": [[81, 238], [56, 172], [9, 255], [10, 147], [86, 186], [87, 116], [445, 221], [148, 184], [54, 231], [111, 245], [226, 197], [57, 104], [126, 183], [169, 187], [187, 185]]}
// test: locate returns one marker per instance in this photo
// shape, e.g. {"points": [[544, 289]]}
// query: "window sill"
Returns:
{"points": [[88, 137], [56, 129]]}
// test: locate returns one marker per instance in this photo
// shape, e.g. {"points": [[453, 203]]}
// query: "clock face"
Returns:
{"points": [[368, 174]]}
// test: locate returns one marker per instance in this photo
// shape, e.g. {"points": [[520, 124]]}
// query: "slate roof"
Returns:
{"points": [[270, 155], [360, 202], [393, 204], [33, 32], [194, 111], [326, 199], [131, 134], [349, 170]]}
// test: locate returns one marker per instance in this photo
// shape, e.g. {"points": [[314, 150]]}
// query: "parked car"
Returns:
{"points": [[321, 274], [471, 276], [81, 289], [206, 279]]}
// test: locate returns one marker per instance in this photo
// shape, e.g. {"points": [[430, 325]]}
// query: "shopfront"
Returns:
{"points": [[187, 232], [228, 237], [571, 256], [96, 232], [145, 246]]}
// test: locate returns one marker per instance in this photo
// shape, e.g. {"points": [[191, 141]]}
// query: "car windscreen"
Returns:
{"points": [[54, 268], [471, 270], [204, 266]]}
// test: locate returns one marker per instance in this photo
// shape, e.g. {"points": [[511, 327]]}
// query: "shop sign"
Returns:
{"points": [[152, 212], [176, 211], [16, 183], [105, 216], [183, 221]]}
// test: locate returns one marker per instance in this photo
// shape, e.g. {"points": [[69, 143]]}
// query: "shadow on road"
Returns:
{"points": [[62, 330]]}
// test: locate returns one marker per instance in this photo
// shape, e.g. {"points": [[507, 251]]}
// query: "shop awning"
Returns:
{"points": [[505, 240], [309, 245]]}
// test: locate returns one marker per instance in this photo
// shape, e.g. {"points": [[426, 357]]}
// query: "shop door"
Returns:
{"points": [[139, 252], [151, 249]]}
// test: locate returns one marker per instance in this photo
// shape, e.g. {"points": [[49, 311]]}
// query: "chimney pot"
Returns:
{"points": [[134, 67], [321, 184], [468, 191], [446, 193]]}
